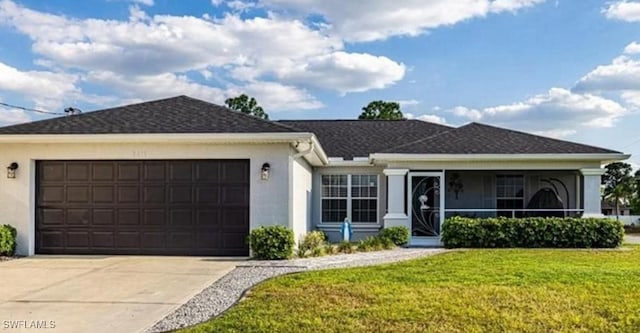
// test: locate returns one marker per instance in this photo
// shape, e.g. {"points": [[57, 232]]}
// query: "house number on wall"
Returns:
{"points": [[139, 153]]}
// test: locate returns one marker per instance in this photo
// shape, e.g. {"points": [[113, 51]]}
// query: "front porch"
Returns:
{"points": [[421, 200]]}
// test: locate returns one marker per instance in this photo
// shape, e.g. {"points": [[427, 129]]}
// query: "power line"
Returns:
{"points": [[29, 109]]}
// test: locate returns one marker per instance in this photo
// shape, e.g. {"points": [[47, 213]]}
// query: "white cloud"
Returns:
{"points": [[272, 96], [498, 6], [559, 112], [464, 112], [622, 74], [631, 97], [10, 116], [144, 2], [408, 103], [247, 50], [633, 48], [628, 11], [379, 19], [556, 133], [45, 89], [346, 72]]}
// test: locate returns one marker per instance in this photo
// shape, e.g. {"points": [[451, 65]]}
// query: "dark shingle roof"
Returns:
{"points": [[475, 138], [339, 138], [180, 114], [359, 138]]}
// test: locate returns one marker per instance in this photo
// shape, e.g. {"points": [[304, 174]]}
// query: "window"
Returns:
{"points": [[350, 196], [509, 195]]}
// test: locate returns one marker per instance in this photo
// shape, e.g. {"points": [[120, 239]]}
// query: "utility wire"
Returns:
{"points": [[29, 109]]}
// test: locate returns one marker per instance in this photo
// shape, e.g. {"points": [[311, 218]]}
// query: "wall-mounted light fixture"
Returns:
{"points": [[11, 170], [265, 171]]}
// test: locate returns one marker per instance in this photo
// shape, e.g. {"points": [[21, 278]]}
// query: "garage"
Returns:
{"points": [[150, 207]]}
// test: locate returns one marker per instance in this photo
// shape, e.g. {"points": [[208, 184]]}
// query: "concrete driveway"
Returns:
{"points": [[99, 294]]}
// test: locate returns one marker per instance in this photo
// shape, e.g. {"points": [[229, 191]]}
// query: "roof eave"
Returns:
{"points": [[158, 137], [602, 157]]}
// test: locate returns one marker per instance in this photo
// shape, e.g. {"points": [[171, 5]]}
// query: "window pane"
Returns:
{"points": [[365, 210], [334, 186], [334, 210]]}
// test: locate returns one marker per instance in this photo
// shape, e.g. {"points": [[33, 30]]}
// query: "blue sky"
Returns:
{"points": [[568, 69]]}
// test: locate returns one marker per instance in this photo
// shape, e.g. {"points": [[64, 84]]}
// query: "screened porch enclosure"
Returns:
{"points": [[512, 193]]}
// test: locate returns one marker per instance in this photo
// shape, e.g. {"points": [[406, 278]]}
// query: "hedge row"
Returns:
{"points": [[7, 240], [532, 232]]}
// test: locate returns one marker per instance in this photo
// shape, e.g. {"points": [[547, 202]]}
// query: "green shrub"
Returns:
{"points": [[375, 243], [313, 244], [272, 242], [345, 247], [7, 240], [399, 235], [330, 248], [532, 232]]}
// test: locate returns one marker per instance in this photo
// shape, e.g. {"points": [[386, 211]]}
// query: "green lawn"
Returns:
{"points": [[466, 291]]}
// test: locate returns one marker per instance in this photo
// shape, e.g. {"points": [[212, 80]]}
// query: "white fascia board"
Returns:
{"points": [[496, 157], [356, 162], [159, 137]]}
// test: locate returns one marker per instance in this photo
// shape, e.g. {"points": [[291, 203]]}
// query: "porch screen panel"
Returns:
{"points": [[334, 198]]}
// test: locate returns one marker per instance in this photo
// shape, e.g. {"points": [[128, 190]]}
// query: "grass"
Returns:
{"points": [[512, 290]]}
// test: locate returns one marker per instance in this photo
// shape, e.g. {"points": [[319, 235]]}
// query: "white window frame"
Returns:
{"points": [[349, 199]]}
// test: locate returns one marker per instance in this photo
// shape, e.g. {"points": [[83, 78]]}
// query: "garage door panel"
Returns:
{"points": [[128, 216], [153, 240], [180, 194], [208, 194], [52, 172], [180, 217], [180, 240], [154, 194], [154, 217], [103, 239], [128, 240], [103, 172], [236, 172], [78, 194], [235, 195], [103, 217], [154, 171], [77, 239], [52, 216], [104, 194], [51, 239], [78, 216], [77, 172], [208, 218], [52, 194], [180, 171], [128, 194], [129, 171], [176, 207]]}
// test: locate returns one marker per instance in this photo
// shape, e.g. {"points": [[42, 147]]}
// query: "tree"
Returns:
{"points": [[635, 199], [246, 104], [382, 110], [618, 184]]}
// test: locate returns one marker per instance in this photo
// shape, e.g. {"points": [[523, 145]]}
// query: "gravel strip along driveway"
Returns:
{"points": [[225, 292]]}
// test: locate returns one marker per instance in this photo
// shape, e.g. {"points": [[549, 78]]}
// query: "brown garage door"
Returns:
{"points": [[176, 207]]}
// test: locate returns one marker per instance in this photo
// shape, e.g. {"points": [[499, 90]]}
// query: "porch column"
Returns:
{"points": [[396, 198], [592, 197]]}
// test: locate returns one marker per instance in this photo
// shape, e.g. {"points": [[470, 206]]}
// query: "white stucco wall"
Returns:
{"points": [[268, 199], [301, 182]]}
